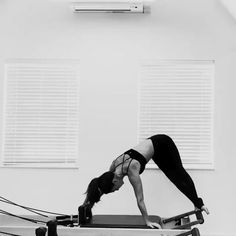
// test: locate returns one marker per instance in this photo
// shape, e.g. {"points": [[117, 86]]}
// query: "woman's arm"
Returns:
{"points": [[136, 182], [112, 166]]}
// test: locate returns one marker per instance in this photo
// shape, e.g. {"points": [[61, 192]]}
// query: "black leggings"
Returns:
{"points": [[167, 158]]}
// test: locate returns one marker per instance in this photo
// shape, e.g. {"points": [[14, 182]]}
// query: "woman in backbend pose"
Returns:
{"points": [[163, 151]]}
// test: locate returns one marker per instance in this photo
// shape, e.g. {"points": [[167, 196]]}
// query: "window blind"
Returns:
{"points": [[176, 98], [41, 113]]}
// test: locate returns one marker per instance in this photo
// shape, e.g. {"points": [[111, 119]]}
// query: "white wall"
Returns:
{"points": [[110, 47]]}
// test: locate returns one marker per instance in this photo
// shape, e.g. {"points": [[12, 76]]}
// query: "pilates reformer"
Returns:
{"points": [[119, 225], [87, 224]]}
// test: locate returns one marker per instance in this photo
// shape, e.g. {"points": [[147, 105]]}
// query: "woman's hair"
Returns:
{"points": [[98, 186]]}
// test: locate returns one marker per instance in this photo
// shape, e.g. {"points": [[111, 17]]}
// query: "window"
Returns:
{"points": [[176, 98], [40, 114]]}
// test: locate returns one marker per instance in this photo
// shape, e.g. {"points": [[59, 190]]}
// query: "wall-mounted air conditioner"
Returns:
{"points": [[109, 6]]}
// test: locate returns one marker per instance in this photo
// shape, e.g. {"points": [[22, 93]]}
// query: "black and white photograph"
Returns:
{"points": [[117, 117]]}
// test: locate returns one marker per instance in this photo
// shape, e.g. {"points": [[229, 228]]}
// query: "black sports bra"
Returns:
{"points": [[133, 154]]}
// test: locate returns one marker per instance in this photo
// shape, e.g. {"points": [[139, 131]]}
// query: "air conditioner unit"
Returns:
{"points": [[112, 7]]}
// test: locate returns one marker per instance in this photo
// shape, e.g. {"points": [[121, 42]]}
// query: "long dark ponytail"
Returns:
{"points": [[99, 186]]}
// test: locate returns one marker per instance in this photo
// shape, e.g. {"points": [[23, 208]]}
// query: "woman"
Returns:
{"points": [[163, 151]]}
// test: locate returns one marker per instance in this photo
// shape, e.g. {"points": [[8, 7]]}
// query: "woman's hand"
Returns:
{"points": [[153, 225]]}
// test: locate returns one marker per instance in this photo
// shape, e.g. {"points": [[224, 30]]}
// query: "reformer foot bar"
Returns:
{"points": [[117, 225]]}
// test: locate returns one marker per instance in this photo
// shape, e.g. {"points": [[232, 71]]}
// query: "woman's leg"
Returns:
{"points": [[182, 180], [168, 159]]}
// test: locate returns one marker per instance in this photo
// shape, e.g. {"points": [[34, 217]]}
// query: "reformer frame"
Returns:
{"points": [[85, 219]]}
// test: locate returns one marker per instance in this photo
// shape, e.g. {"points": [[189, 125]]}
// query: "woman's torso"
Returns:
{"points": [[122, 164], [145, 148]]}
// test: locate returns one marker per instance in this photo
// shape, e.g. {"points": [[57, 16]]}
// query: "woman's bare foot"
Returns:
{"points": [[204, 208]]}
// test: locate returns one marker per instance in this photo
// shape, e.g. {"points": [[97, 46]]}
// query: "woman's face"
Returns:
{"points": [[118, 182]]}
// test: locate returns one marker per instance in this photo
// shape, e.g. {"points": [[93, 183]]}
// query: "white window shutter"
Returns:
{"points": [[41, 114], [176, 98]]}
